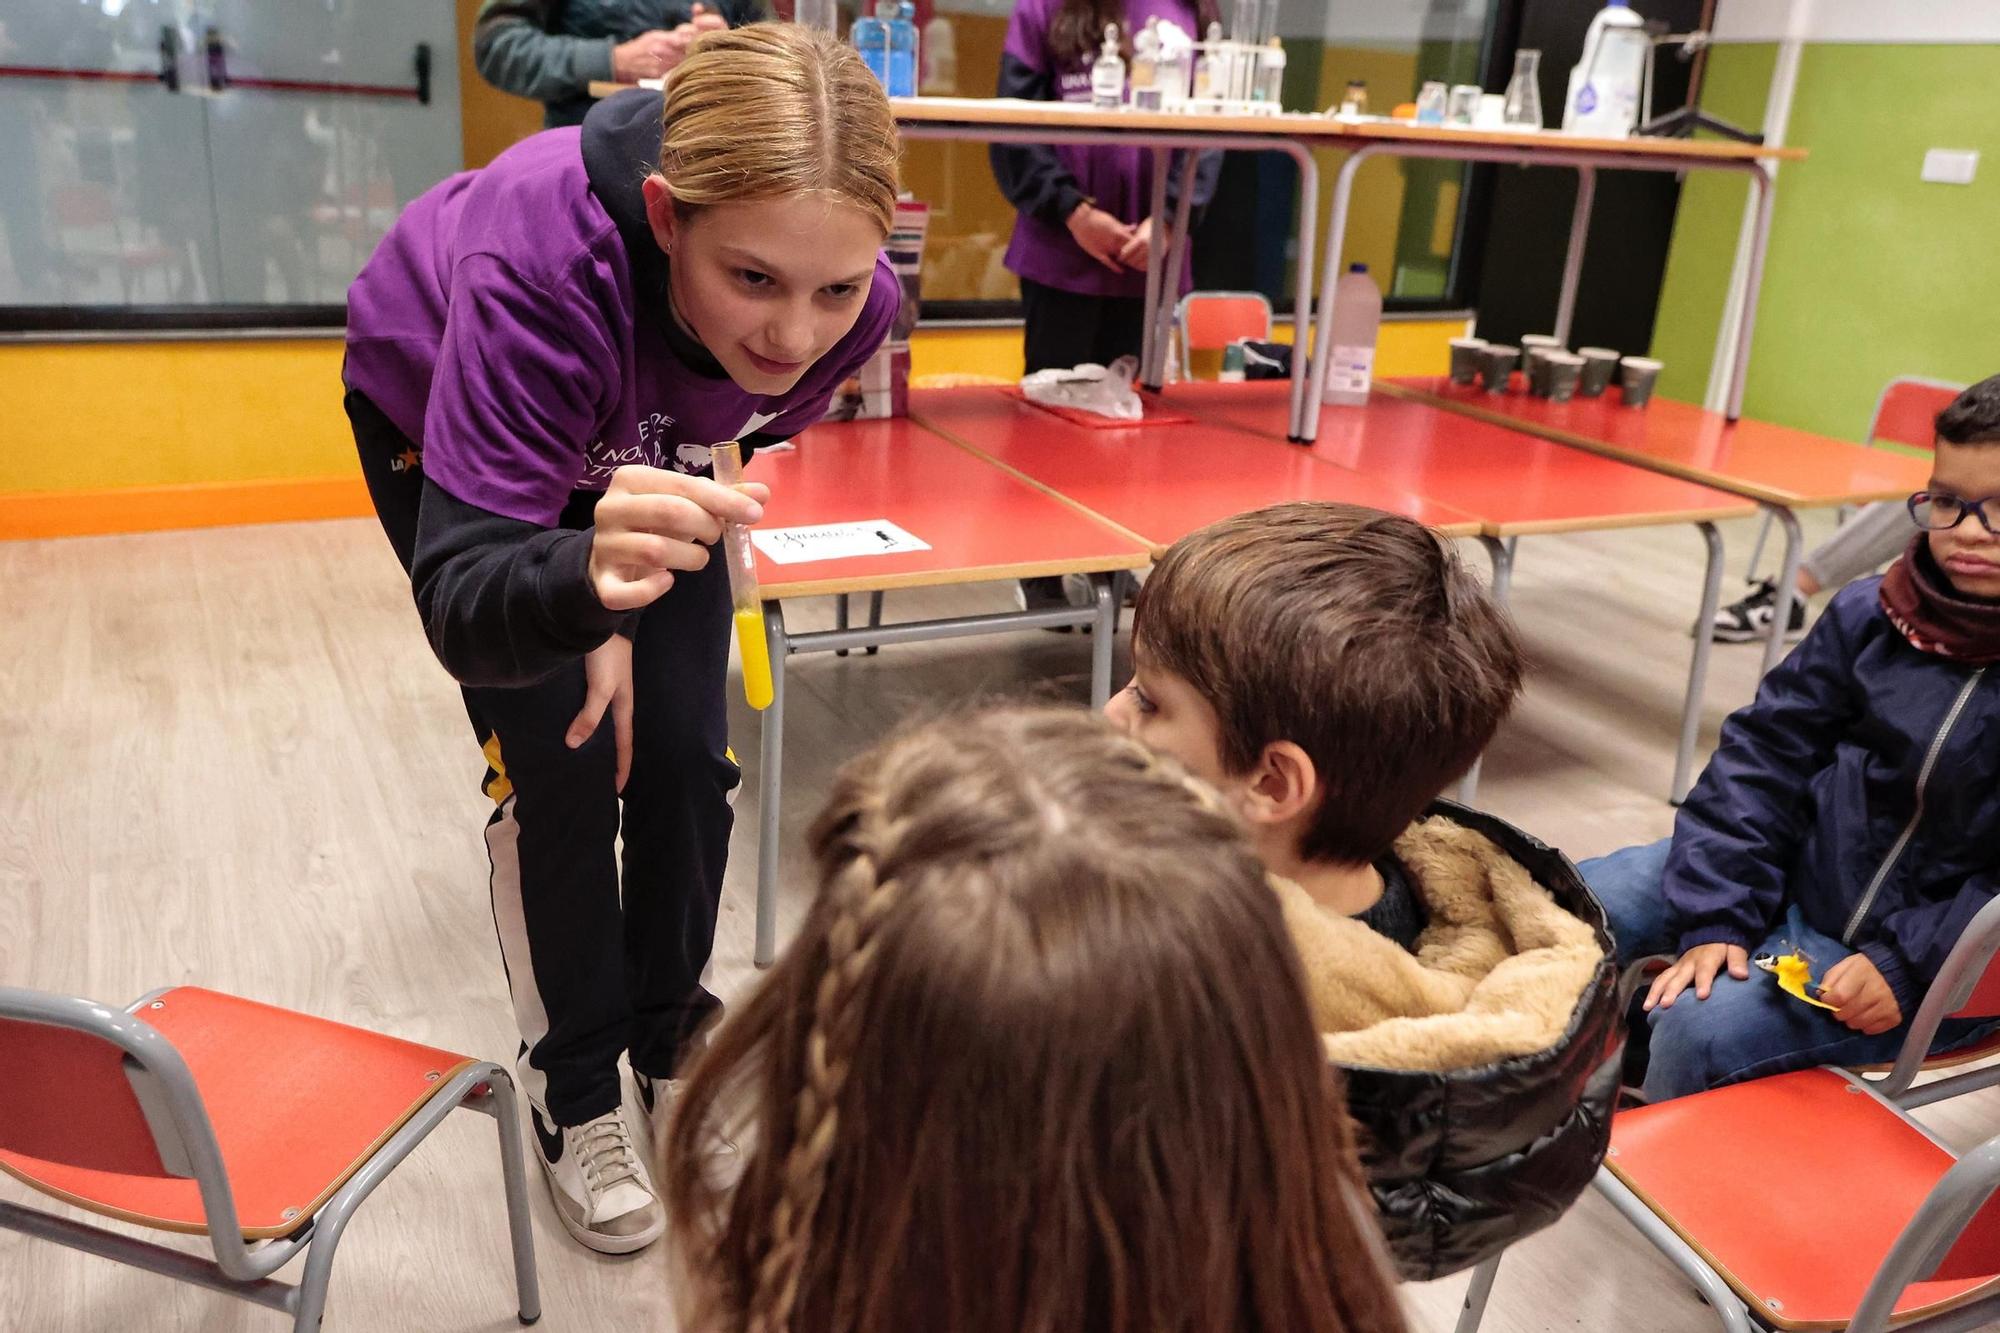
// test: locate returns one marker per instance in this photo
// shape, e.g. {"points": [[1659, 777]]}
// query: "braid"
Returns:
{"points": [[863, 899]]}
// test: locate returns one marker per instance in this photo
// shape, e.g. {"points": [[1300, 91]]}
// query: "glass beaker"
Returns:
{"points": [[1524, 92]]}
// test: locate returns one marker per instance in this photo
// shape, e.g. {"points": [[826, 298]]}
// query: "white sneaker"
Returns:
{"points": [[599, 1182], [722, 1162]]}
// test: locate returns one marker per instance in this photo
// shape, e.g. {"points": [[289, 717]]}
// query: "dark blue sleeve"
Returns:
{"points": [[1207, 171], [1741, 827], [1910, 944], [1031, 176]]}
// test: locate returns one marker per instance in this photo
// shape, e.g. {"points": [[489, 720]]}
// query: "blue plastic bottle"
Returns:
{"points": [[902, 79], [870, 36]]}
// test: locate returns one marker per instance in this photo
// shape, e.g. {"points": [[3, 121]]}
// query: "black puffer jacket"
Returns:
{"points": [[1463, 1164]]}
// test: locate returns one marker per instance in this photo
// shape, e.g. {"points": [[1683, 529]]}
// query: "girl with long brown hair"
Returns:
{"points": [[1039, 1060]]}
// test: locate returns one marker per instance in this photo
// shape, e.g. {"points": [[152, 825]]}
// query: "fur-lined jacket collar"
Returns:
{"points": [[1497, 972]]}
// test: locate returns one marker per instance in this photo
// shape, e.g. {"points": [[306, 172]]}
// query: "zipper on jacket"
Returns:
{"points": [[1916, 815]]}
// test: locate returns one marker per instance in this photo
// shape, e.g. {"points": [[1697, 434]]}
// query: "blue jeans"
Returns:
{"points": [[1744, 1029]]}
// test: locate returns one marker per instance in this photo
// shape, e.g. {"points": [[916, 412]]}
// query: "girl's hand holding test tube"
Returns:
{"points": [[652, 522], [751, 645]]}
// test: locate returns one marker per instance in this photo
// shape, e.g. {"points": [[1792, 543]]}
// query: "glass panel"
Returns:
{"points": [[970, 220], [105, 201], [308, 176]]}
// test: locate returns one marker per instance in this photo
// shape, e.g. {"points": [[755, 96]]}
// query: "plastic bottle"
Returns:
{"points": [[1273, 91], [940, 57], [820, 14], [1357, 317], [1604, 86], [870, 36], [902, 80], [1107, 76], [1209, 68]]}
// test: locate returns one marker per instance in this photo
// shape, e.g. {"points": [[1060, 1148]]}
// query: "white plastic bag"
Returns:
{"points": [[1104, 390]]}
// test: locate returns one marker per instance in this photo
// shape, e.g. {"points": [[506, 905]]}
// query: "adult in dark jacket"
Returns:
{"points": [[1851, 813], [550, 51]]}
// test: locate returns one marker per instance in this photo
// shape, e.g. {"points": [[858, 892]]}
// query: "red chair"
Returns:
{"points": [[260, 1128], [1812, 1200], [1906, 410], [1210, 321]]}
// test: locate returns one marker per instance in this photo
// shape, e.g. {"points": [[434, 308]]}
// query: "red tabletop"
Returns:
{"points": [[1514, 482], [1161, 482], [1775, 464], [981, 521]]}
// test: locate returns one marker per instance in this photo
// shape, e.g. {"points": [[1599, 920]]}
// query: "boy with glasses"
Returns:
{"points": [[1851, 812]]}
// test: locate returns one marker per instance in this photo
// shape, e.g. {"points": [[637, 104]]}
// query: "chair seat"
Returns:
{"points": [[298, 1105], [1793, 1189]]}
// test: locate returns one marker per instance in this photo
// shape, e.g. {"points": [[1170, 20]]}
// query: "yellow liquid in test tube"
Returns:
{"points": [[751, 645], [755, 650]]}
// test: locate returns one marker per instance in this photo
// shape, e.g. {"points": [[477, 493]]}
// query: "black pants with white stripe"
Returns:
{"points": [[598, 962]]}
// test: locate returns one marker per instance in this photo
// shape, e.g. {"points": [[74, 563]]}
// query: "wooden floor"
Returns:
{"points": [[228, 757]]}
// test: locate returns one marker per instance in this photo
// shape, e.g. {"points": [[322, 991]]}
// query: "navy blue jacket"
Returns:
{"points": [[1863, 783]]}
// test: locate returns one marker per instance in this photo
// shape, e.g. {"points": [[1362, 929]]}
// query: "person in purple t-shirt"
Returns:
{"points": [[538, 356], [1084, 231]]}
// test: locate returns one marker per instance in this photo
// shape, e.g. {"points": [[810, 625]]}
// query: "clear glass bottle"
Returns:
{"points": [[1208, 65], [1524, 92], [1107, 76], [1273, 91]]}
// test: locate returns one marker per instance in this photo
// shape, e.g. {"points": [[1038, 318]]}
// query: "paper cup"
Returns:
{"points": [[1637, 375], [1465, 359], [1496, 366], [1599, 365], [1561, 371]]}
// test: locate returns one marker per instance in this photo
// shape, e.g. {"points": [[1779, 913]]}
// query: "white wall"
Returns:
{"points": [[1906, 21]]}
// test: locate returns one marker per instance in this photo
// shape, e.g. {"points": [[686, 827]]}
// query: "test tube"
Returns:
{"points": [[751, 644]]}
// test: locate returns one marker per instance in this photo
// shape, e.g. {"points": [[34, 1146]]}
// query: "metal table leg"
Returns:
{"points": [[1155, 267], [1106, 630], [1765, 187], [1474, 1309], [1336, 234], [770, 785], [1788, 584], [1579, 237], [1711, 597], [1501, 553]]}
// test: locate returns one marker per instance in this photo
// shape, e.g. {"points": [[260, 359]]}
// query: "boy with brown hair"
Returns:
{"points": [[1330, 670]]}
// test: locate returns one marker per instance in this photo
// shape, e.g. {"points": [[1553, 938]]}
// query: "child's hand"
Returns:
{"points": [[1139, 249], [1698, 967], [1859, 996], [652, 522], [607, 672], [1102, 236]]}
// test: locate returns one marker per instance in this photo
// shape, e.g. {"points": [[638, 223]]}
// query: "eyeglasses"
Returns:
{"points": [[1936, 511]]}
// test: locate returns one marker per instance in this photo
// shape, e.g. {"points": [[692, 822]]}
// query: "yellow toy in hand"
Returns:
{"points": [[1794, 973]]}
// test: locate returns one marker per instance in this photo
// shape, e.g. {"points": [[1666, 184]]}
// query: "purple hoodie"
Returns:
{"points": [[513, 324]]}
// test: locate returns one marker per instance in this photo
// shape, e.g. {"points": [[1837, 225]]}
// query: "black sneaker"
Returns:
{"points": [[1750, 618]]}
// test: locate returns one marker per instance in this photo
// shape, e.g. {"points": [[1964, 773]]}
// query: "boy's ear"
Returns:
{"points": [[1281, 785]]}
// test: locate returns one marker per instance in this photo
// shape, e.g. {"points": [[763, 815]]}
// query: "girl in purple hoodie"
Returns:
{"points": [[538, 357]]}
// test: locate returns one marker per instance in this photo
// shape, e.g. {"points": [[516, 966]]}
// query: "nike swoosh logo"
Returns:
{"points": [[550, 1139]]}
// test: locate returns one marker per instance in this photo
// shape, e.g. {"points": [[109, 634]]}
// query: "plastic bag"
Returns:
{"points": [[1105, 391]]}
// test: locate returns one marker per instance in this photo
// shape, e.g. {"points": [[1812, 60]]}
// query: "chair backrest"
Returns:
{"points": [[84, 1085], [1906, 410], [1212, 320], [1967, 986]]}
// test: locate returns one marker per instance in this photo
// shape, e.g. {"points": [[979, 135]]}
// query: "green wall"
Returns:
{"points": [[1871, 273]]}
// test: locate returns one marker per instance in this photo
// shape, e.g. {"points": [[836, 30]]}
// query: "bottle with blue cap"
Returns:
{"points": [[1605, 85], [1357, 319]]}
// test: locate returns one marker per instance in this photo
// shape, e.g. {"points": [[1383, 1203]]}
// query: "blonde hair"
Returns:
{"points": [[777, 109], [1039, 1060]]}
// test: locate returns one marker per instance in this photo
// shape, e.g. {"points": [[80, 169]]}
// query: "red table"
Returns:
{"points": [[982, 523], [1516, 484], [1160, 483], [1783, 469]]}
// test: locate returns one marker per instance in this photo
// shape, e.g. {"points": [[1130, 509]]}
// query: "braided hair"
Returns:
{"points": [[1039, 1059]]}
